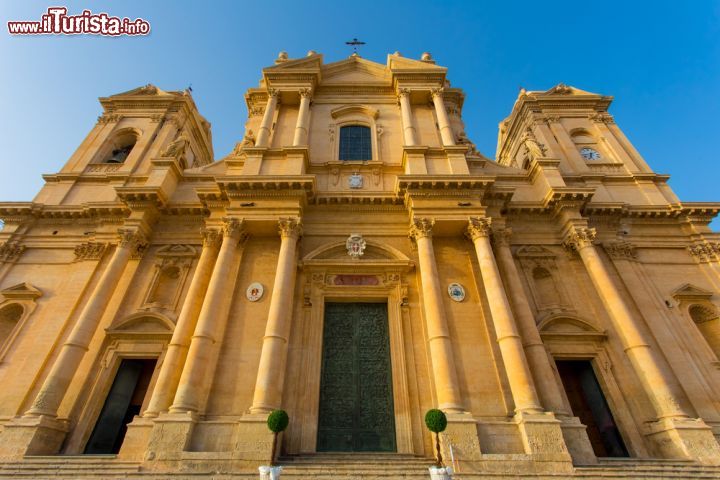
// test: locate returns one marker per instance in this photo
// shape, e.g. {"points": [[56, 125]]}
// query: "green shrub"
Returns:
{"points": [[278, 421], [435, 420]]}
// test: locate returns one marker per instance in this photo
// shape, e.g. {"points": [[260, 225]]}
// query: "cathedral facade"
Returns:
{"points": [[356, 261]]}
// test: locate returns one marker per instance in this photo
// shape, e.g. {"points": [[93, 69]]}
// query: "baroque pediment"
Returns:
{"points": [[310, 62], [143, 323], [691, 292], [147, 90], [533, 251], [355, 70], [561, 324], [21, 291], [177, 250], [339, 252]]}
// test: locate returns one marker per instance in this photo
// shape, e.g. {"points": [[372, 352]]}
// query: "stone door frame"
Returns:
{"points": [[586, 342], [385, 282]]}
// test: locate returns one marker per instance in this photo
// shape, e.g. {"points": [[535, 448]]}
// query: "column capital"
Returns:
{"points": [[578, 238], [273, 93], [437, 92], [305, 92], [234, 228], [211, 237], [501, 236], [403, 92], [421, 227], [132, 239], [10, 251], [478, 227], [289, 228], [705, 251]]}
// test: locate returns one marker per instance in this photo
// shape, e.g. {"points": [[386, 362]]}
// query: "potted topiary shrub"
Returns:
{"points": [[436, 422], [277, 421]]}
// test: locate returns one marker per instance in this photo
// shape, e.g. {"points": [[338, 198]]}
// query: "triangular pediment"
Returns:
{"points": [[310, 62], [534, 251], [562, 89], [355, 70], [148, 89], [397, 62], [21, 291], [176, 250], [689, 291]]}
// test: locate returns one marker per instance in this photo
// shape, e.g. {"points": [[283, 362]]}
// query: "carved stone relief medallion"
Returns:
{"points": [[355, 181], [254, 292], [456, 292], [355, 245]]}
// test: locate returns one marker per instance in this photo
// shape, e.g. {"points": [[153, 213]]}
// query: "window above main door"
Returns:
{"points": [[355, 143]]}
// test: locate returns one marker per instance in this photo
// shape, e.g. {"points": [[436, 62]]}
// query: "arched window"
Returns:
{"points": [[120, 148], [9, 317], [355, 143]]}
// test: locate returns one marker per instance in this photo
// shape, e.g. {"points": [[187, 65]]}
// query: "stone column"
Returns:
{"points": [[441, 354], [675, 434], [271, 370], [301, 127], [535, 351], [409, 134], [210, 328], [264, 133], [71, 353], [511, 349], [176, 354], [637, 347], [448, 138]]}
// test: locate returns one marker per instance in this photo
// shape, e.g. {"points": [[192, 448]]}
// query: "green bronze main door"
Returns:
{"points": [[356, 402]]}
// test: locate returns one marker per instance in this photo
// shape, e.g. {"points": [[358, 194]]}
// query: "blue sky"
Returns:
{"points": [[660, 60]]}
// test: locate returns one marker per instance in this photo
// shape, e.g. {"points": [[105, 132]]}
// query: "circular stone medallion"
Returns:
{"points": [[254, 292], [456, 292]]}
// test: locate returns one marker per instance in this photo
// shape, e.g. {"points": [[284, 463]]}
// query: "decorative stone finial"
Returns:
{"points": [[397, 54], [282, 57], [311, 53], [426, 57]]}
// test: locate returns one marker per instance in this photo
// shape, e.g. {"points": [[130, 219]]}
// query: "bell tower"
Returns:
{"points": [[571, 125], [136, 129]]}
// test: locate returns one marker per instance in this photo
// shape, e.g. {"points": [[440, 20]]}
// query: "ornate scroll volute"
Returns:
{"points": [[579, 237]]}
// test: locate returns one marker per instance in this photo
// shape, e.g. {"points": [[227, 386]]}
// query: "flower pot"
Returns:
{"points": [[440, 473], [269, 473]]}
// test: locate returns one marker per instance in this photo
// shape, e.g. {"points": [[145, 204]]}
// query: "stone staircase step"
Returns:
{"points": [[331, 466]]}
